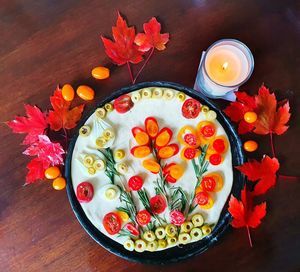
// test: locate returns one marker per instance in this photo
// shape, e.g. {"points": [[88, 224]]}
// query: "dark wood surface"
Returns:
{"points": [[47, 42]]}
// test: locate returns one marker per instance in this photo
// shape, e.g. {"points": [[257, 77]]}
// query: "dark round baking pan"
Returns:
{"points": [[174, 254]]}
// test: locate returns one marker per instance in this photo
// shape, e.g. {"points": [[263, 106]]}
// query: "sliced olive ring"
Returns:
{"points": [[186, 226], [119, 154], [129, 245], [101, 142], [146, 93], [171, 241], [100, 113], [140, 245], [108, 134], [160, 233], [171, 230], [204, 109], [206, 229], [152, 246], [168, 94], [109, 107], [180, 96], [162, 243], [157, 93], [197, 220], [149, 236], [91, 170], [99, 165], [88, 160], [196, 234], [85, 131], [135, 97], [122, 168], [211, 115], [184, 238]]}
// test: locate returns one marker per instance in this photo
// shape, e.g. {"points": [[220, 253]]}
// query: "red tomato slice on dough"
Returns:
{"points": [[112, 223], [177, 218], [123, 103], [143, 218], [191, 108], [132, 229], [158, 204]]}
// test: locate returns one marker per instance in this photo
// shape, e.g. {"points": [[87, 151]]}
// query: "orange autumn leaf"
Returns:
{"points": [[122, 50], [152, 38], [271, 118], [62, 116], [263, 172]]}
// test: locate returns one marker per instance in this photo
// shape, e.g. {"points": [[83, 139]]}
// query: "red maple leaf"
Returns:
{"points": [[243, 212], [36, 170], [33, 124], [264, 172], [62, 116], [123, 49], [152, 38], [270, 119], [46, 151], [236, 110]]}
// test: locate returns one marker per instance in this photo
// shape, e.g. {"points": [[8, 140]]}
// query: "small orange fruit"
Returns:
{"points": [[100, 72], [250, 117], [52, 172], [68, 92], [59, 183], [250, 146], [85, 92]]}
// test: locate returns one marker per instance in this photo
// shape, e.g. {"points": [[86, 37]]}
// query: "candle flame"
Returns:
{"points": [[225, 65]]}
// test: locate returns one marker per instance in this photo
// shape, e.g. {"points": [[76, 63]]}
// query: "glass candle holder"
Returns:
{"points": [[226, 65]]}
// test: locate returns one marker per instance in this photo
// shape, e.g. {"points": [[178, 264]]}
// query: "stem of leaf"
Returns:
{"points": [[66, 138], [249, 236], [145, 63], [130, 72], [272, 144]]}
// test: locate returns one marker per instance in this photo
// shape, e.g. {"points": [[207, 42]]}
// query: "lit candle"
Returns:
{"points": [[225, 66]]}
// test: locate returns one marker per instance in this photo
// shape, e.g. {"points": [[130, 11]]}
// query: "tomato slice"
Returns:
{"points": [[123, 103], [219, 145], [164, 137], [190, 139], [151, 126], [84, 192], [140, 151], [143, 217], [136, 130], [168, 151], [208, 183], [208, 130], [112, 223], [132, 229], [135, 183], [177, 217], [158, 204], [189, 153], [202, 198], [151, 165], [166, 173], [215, 159], [191, 108]]}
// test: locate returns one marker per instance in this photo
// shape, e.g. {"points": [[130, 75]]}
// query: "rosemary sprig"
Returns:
{"points": [[178, 199], [143, 196], [199, 170], [110, 171], [130, 208]]}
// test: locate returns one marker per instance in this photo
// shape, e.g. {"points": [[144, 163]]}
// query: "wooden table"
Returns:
{"points": [[45, 43]]}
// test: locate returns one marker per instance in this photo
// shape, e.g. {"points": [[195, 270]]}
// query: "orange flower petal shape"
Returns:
{"points": [[168, 151], [188, 136], [163, 137], [208, 205], [151, 165], [206, 129], [151, 126], [140, 151], [176, 171], [142, 138]]}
